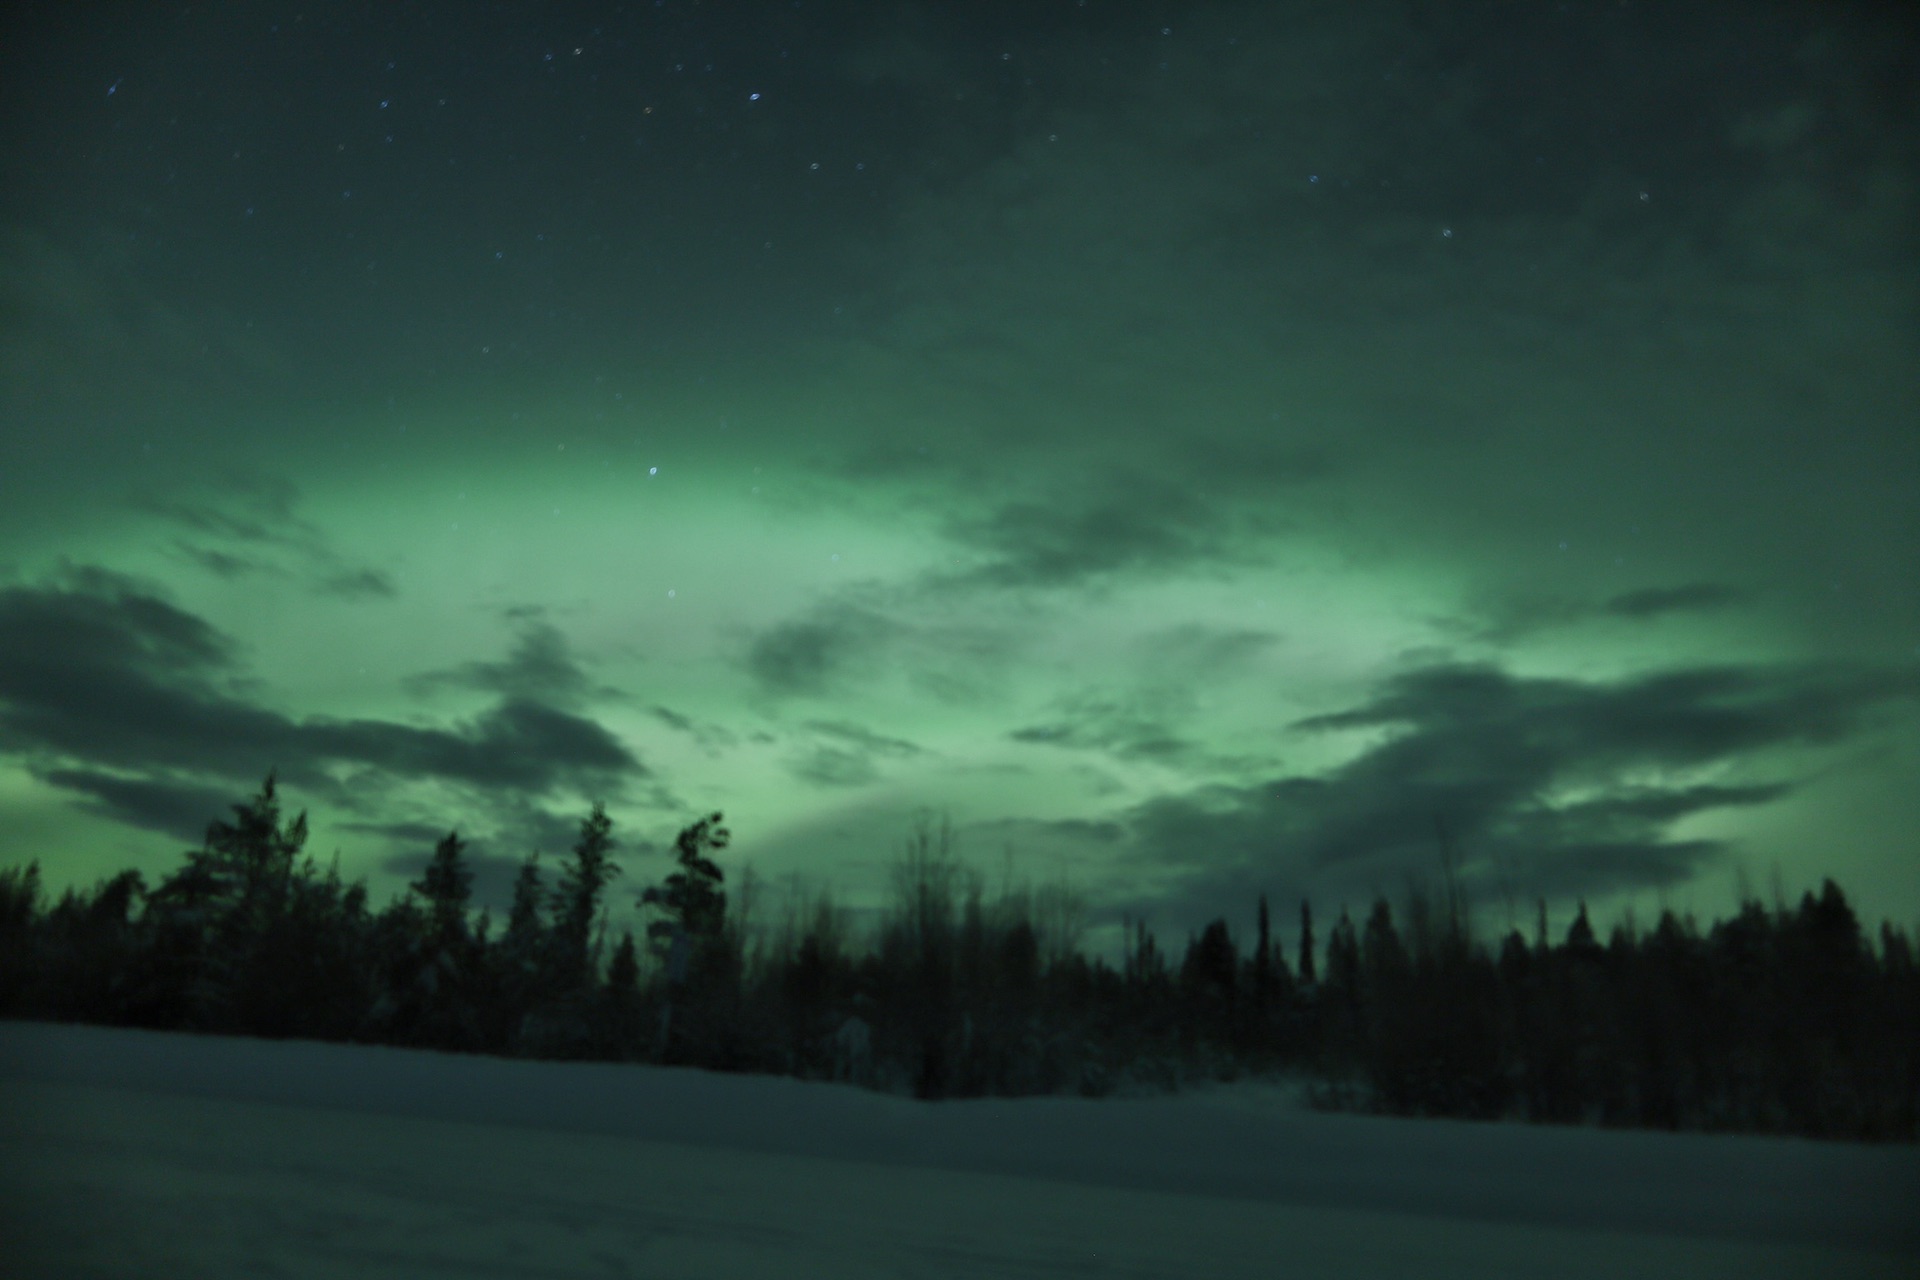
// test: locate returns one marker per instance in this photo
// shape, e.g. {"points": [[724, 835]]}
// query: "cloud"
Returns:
{"points": [[708, 735], [539, 667], [1137, 727], [1194, 647], [1538, 782], [865, 739], [810, 656], [359, 584], [833, 767], [101, 678], [849, 759], [1654, 601], [519, 744], [254, 527], [1126, 524], [179, 809]]}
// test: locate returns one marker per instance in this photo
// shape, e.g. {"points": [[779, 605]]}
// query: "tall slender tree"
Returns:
{"points": [[577, 897], [218, 910], [1306, 944], [691, 899], [447, 884]]}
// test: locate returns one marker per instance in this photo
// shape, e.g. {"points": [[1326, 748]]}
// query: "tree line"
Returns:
{"points": [[1781, 1020]]}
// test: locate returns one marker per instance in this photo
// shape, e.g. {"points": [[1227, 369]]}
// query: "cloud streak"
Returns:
{"points": [[109, 690]]}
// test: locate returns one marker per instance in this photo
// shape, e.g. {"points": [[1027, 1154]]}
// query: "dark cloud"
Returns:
{"points": [[220, 563], [540, 666], [424, 835], [519, 744], [833, 767], [101, 670], [848, 760], [258, 513], [1128, 524], [179, 809], [359, 584], [251, 508], [1191, 647], [810, 656], [1654, 601], [1477, 759], [1128, 730], [1050, 834], [708, 735], [865, 739]]}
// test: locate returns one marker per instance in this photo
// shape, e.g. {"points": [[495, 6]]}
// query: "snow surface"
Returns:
{"points": [[138, 1153]]}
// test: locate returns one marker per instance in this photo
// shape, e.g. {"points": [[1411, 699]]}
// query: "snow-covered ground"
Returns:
{"points": [[131, 1153]]}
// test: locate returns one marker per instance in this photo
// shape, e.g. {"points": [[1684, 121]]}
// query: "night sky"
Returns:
{"points": [[1202, 450]]}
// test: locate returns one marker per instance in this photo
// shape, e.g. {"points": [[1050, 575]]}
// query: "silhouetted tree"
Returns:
{"points": [[1263, 981], [217, 910], [620, 1028], [20, 892], [691, 942], [577, 898], [520, 974], [1307, 978], [691, 898], [1783, 1020], [446, 884], [1208, 980]]}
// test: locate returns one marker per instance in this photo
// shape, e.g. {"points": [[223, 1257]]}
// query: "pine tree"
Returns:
{"points": [[691, 940], [1343, 959], [1307, 978], [217, 910], [1263, 962], [577, 897], [447, 884], [519, 963], [619, 1036], [691, 898], [19, 926], [1207, 976], [523, 941], [1581, 941], [438, 971]]}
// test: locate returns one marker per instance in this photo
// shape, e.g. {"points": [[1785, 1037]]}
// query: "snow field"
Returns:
{"points": [[127, 1153]]}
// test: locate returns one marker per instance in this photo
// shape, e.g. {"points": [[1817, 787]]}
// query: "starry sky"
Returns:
{"points": [[1199, 450]]}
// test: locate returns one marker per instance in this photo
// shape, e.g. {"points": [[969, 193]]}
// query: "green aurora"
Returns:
{"points": [[1205, 456]]}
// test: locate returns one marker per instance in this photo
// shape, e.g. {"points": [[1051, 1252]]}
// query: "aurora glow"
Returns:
{"points": [[1199, 460]]}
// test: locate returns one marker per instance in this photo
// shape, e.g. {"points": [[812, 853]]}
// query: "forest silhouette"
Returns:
{"points": [[1779, 1020]]}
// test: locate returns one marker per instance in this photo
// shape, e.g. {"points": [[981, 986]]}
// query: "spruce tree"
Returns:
{"points": [[1307, 978], [446, 884], [518, 965], [577, 897], [1263, 961], [216, 912], [691, 940], [691, 898]]}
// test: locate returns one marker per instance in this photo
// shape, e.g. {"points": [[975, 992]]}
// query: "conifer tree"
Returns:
{"points": [[217, 910], [1263, 961], [1343, 959], [19, 924], [1207, 977], [691, 898], [577, 897], [1307, 978], [447, 884], [518, 966], [620, 1000], [522, 941]]}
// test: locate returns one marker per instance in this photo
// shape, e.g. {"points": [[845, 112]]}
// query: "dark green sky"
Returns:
{"points": [[1204, 449]]}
